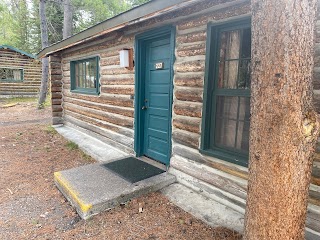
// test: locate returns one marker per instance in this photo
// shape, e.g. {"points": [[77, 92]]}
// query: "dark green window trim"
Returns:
{"points": [[85, 90], [212, 92], [11, 79]]}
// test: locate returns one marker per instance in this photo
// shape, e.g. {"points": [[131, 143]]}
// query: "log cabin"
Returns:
{"points": [[20, 73], [143, 82]]}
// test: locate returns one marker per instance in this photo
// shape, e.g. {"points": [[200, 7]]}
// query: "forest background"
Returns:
{"points": [[20, 20]]}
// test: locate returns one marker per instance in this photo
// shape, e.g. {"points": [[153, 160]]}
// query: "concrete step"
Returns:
{"points": [[93, 188]]}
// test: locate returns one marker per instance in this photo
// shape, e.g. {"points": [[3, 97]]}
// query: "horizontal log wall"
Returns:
{"points": [[111, 113], [29, 87]]}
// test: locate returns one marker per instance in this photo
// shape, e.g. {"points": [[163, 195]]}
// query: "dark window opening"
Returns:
{"points": [[11, 75], [85, 76]]}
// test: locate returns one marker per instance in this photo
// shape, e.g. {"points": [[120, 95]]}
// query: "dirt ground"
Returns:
{"points": [[31, 207]]}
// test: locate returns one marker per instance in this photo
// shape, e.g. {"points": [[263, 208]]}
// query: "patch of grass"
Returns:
{"points": [[47, 149], [47, 102], [181, 221], [18, 134], [72, 146], [51, 130], [20, 100], [35, 221], [86, 156]]}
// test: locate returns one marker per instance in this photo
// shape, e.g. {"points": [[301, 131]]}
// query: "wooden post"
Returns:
{"points": [[55, 76]]}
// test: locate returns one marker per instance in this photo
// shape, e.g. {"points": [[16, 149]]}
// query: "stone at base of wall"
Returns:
{"points": [[209, 191], [206, 209], [99, 150], [57, 120], [200, 190]]}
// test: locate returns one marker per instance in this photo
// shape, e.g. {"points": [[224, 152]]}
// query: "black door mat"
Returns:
{"points": [[132, 169]]}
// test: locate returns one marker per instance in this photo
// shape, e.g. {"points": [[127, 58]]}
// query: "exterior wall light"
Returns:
{"points": [[126, 58]]}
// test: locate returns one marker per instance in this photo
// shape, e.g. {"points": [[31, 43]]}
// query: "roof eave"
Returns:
{"points": [[17, 50]]}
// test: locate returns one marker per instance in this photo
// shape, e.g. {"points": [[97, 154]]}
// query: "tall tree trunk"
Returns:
{"points": [[23, 23], [45, 61], [67, 18], [284, 125]]}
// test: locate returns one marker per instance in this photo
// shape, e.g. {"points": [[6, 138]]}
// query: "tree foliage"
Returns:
{"points": [[20, 23], [89, 12], [54, 13], [8, 25]]}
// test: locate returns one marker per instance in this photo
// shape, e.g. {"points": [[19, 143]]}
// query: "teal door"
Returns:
{"points": [[157, 98]]}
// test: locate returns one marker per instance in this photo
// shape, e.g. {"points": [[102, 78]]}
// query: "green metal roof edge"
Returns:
{"points": [[18, 50], [131, 15]]}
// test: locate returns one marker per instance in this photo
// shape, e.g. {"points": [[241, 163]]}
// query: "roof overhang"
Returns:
{"points": [[138, 14], [17, 50]]}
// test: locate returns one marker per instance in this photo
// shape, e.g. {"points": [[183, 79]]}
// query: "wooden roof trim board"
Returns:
{"points": [[17, 50], [138, 14]]}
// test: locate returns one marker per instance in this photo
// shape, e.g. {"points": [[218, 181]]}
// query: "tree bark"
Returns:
{"points": [[45, 61], [284, 125], [67, 18]]}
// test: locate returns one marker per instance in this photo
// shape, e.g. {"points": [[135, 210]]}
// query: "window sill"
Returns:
{"points": [[236, 159], [87, 92], [11, 81]]}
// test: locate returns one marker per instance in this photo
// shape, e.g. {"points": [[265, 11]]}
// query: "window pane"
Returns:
{"points": [[227, 107], [225, 132], [16, 74], [8, 73], [2, 74], [87, 74], [84, 75], [94, 73], [91, 76], [232, 123], [246, 43], [229, 59], [244, 109], [80, 80], [76, 71], [226, 121], [234, 71], [244, 74], [228, 74], [230, 45], [243, 137]]}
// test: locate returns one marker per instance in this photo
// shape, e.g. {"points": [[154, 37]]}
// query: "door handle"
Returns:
{"points": [[144, 107]]}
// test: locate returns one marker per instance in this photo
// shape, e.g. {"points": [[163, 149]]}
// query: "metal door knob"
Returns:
{"points": [[144, 107]]}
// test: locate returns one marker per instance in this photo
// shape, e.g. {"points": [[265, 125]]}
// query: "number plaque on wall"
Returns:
{"points": [[159, 65]]}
